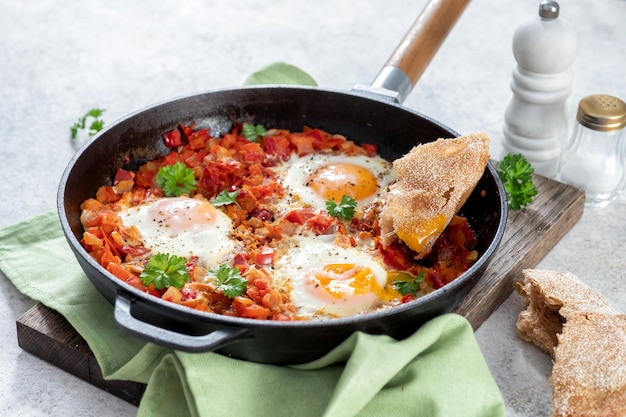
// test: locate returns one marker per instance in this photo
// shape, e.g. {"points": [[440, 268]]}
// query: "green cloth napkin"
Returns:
{"points": [[439, 371]]}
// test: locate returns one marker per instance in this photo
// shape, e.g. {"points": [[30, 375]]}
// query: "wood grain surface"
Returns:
{"points": [[530, 235]]}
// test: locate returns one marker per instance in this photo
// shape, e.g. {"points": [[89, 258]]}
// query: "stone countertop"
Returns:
{"points": [[59, 59]]}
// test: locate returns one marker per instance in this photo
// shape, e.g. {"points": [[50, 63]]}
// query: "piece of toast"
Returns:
{"points": [[585, 336], [433, 181]]}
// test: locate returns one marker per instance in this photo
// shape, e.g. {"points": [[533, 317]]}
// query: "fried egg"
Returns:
{"points": [[183, 226], [328, 280], [317, 178]]}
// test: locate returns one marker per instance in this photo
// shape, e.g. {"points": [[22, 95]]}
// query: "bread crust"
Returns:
{"points": [[585, 336], [589, 374], [433, 182], [546, 293]]}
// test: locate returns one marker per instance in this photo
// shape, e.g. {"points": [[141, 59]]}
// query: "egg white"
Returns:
{"points": [[296, 171], [308, 253], [208, 240]]}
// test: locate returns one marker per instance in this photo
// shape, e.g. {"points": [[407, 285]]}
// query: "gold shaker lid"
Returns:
{"points": [[602, 112]]}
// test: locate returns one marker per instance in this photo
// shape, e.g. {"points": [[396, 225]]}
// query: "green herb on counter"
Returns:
{"points": [[94, 127], [516, 174]]}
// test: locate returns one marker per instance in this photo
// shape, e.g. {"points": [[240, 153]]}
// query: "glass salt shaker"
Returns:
{"points": [[595, 157]]}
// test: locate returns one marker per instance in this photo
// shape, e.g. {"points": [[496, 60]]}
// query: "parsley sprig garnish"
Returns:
{"points": [[163, 270], [229, 280], [253, 132], [344, 210], [516, 175], [410, 285], [176, 179], [94, 127], [225, 198]]}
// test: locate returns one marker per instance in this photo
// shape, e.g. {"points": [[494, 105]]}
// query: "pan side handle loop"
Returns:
{"points": [[169, 338], [418, 46]]}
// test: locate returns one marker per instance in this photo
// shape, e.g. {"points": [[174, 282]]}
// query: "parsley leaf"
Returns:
{"points": [[229, 280], [344, 210], [95, 126], [516, 175], [176, 179], [225, 198], [164, 271], [409, 286], [253, 132]]}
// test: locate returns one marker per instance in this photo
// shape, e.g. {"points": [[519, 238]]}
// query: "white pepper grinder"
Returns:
{"points": [[536, 121]]}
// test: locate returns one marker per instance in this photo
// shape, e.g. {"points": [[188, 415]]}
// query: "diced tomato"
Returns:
{"points": [[406, 298], [321, 224], [278, 146], [370, 149], [123, 175], [122, 273], [240, 261], [188, 129], [263, 214], [106, 194], [396, 256], [246, 307], [303, 143], [252, 152], [436, 279], [105, 220], [173, 138], [197, 139], [246, 200], [143, 179], [137, 251], [171, 158], [295, 216], [265, 256]]}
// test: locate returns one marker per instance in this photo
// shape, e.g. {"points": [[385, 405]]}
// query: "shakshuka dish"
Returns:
{"points": [[272, 224]]}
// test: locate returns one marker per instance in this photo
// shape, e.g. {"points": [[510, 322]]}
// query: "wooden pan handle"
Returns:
{"points": [[412, 56], [425, 36]]}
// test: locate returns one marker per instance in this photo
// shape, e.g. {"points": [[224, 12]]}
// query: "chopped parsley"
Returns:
{"points": [[229, 280], [163, 270], [344, 210], [253, 132], [410, 284], [94, 127], [176, 179], [225, 198], [516, 175]]}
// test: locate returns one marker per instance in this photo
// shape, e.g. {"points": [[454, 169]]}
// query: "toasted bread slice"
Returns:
{"points": [[434, 181], [585, 336]]}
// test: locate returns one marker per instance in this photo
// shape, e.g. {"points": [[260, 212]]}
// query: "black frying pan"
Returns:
{"points": [[371, 114]]}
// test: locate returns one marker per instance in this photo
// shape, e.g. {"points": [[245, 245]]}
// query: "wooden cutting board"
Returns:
{"points": [[530, 235]]}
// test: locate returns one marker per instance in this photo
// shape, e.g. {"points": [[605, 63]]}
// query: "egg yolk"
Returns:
{"points": [[416, 237], [344, 280], [180, 214], [332, 181]]}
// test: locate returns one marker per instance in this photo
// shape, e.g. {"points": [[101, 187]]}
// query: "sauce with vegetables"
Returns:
{"points": [[265, 224]]}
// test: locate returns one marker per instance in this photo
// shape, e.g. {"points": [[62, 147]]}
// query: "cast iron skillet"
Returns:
{"points": [[370, 114]]}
